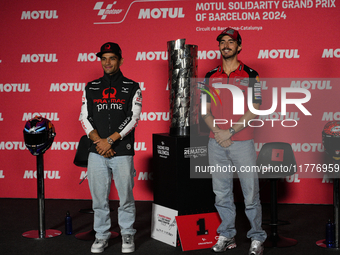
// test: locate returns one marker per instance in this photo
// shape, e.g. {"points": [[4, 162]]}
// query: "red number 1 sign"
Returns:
{"points": [[198, 231]]}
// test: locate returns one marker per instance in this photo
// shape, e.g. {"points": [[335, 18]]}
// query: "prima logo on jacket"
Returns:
{"points": [[109, 100]]}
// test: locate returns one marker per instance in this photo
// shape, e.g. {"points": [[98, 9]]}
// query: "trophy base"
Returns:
{"points": [[180, 131]]}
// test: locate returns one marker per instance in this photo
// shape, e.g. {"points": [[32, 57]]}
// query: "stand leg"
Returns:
{"points": [[41, 195], [273, 211], [41, 233], [275, 240]]}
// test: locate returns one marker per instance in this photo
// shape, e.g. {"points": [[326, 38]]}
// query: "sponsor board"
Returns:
{"points": [[163, 224], [198, 231]]}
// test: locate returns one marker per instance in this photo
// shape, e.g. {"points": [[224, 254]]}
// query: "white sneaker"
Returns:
{"points": [[256, 248], [99, 245], [223, 244], [128, 244]]}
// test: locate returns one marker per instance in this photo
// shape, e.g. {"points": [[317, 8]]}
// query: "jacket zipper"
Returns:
{"points": [[108, 107]]}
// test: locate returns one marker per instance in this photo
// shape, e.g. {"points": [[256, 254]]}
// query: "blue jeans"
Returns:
{"points": [[238, 155], [100, 171]]}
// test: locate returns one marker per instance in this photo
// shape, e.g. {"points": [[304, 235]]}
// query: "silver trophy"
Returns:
{"points": [[182, 71]]}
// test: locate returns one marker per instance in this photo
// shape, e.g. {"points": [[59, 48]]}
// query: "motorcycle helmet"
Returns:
{"points": [[331, 139], [39, 134]]}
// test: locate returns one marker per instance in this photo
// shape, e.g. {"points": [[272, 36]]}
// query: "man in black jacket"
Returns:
{"points": [[110, 111]]}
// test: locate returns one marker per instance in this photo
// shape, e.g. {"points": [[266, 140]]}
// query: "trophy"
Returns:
{"points": [[182, 72]]}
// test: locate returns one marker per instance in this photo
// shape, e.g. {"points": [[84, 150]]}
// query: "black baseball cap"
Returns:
{"points": [[110, 47], [232, 33]]}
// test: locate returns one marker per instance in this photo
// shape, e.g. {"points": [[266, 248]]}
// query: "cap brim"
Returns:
{"points": [[100, 54]]}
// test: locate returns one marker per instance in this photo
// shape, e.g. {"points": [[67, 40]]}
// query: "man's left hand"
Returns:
{"points": [[227, 143], [110, 153]]}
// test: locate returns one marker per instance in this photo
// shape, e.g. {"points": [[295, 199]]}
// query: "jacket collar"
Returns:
{"points": [[238, 70], [112, 78]]}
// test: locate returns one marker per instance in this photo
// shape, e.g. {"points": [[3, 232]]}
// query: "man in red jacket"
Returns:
{"points": [[232, 146]]}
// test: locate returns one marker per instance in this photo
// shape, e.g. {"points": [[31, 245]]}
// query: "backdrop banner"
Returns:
{"points": [[47, 56]]}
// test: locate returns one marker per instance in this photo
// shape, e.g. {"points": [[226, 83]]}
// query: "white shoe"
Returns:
{"points": [[99, 245], [128, 244], [256, 248], [223, 244]]}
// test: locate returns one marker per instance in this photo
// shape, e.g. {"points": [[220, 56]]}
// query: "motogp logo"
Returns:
{"points": [[108, 10], [109, 93]]}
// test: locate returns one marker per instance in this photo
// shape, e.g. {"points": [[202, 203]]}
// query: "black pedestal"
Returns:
{"points": [[173, 159]]}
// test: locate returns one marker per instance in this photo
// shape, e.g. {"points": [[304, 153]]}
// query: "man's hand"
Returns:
{"points": [[102, 146], [226, 143], [222, 135], [110, 153]]}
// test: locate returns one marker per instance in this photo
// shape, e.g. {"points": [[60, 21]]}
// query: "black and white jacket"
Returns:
{"points": [[112, 104]]}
